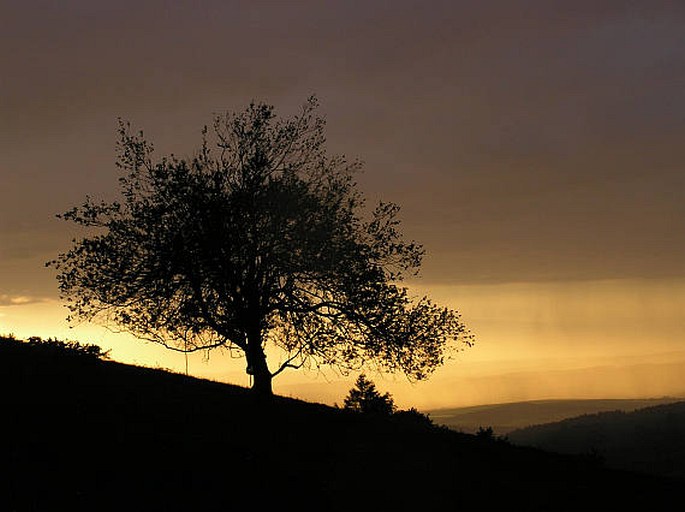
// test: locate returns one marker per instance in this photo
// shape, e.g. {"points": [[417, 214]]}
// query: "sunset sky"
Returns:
{"points": [[536, 148]]}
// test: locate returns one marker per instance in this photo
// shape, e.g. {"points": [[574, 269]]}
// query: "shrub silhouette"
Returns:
{"points": [[486, 433], [414, 417], [364, 397], [53, 346]]}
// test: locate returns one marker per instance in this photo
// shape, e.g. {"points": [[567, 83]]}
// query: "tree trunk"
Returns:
{"points": [[257, 367], [261, 383]]}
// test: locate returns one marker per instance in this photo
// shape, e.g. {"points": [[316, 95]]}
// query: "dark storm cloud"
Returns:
{"points": [[528, 140]]}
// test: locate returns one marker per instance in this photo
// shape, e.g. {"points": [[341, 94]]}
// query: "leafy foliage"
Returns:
{"points": [[364, 397], [259, 239], [59, 347]]}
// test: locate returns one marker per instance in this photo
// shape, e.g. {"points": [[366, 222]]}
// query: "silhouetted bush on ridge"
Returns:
{"points": [[60, 347]]}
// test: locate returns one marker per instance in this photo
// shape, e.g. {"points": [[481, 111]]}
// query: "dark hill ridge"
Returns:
{"points": [[506, 417], [86, 434], [651, 439]]}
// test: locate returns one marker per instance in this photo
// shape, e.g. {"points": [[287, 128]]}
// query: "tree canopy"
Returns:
{"points": [[259, 239]]}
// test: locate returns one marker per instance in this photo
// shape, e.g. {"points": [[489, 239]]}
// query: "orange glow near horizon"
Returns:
{"points": [[599, 339]]}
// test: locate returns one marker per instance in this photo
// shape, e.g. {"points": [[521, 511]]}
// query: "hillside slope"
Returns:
{"points": [[86, 434], [650, 439]]}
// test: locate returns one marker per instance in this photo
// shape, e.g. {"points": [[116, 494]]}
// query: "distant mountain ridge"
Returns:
{"points": [[506, 417], [650, 440]]}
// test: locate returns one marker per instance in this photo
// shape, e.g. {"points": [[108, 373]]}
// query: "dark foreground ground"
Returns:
{"points": [[85, 434]]}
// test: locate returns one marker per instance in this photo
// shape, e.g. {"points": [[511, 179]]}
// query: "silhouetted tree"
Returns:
{"points": [[486, 433], [364, 397], [260, 238]]}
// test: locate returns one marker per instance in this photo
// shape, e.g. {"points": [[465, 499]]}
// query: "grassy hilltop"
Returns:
{"points": [[82, 433]]}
